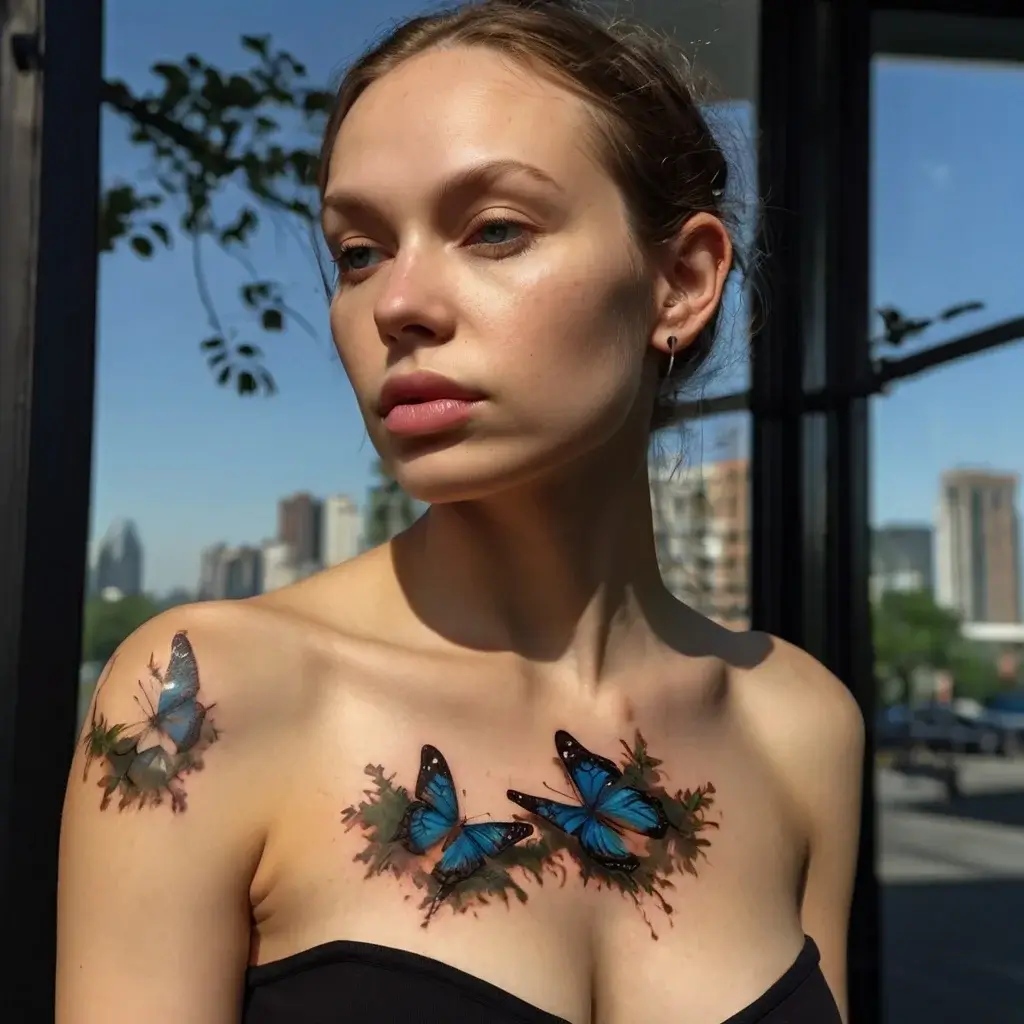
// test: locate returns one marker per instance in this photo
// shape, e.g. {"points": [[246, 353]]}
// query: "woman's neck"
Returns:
{"points": [[563, 575]]}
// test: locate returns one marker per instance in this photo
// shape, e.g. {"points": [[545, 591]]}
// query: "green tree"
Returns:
{"points": [[975, 674], [107, 623], [912, 632], [214, 136], [389, 510]]}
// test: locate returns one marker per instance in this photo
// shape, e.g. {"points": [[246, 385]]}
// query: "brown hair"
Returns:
{"points": [[658, 145]]}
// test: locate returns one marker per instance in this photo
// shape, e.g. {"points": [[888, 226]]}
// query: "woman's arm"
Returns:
{"points": [[814, 734], [157, 855], [832, 794]]}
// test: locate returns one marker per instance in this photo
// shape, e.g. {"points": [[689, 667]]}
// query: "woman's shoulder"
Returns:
{"points": [[806, 722], [239, 666], [797, 700], [786, 695]]}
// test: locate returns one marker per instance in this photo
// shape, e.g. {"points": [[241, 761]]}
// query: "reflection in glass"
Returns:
{"points": [[222, 485], [230, 457], [700, 498], [946, 562]]}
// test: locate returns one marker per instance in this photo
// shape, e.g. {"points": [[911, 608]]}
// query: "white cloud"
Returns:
{"points": [[939, 174]]}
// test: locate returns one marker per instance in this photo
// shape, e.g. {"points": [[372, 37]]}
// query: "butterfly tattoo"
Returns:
{"points": [[433, 817], [178, 714], [607, 807], [173, 733]]}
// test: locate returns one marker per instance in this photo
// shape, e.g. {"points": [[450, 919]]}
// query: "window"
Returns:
{"points": [[701, 504], [946, 575], [200, 492]]}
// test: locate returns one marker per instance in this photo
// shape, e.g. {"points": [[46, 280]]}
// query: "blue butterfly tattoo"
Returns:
{"points": [[178, 713], [146, 776], [434, 816], [607, 806]]}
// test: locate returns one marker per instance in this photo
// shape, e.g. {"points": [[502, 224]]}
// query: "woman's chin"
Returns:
{"points": [[442, 474], [444, 486]]}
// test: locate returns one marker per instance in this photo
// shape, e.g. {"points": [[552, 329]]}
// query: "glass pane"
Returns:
{"points": [[946, 565], [200, 491], [721, 42], [700, 494]]}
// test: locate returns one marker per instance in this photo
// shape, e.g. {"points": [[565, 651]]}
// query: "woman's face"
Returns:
{"points": [[492, 311]]}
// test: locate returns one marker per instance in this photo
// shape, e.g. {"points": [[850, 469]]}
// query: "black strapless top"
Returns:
{"points": [[356, 981]]}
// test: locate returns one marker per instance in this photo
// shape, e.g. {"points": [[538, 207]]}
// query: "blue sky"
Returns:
{"points": [[193, 464]]}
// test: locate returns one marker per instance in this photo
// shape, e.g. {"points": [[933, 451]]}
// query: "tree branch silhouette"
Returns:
{"points": [[207, 132]]}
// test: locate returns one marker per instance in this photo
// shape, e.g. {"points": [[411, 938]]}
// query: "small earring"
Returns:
{"points": [[672, 342]]}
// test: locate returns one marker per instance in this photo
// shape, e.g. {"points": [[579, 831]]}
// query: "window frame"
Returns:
{"points": [[811, 380], [50, 73]]}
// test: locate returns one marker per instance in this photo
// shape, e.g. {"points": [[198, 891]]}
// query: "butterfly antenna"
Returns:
{"points": [[146, 723], [558, 792], [152, 709]]}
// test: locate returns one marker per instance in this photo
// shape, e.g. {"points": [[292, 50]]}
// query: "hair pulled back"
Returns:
{"points": [[656, 141]]}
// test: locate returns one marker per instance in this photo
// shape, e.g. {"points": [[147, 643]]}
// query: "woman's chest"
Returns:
{"points": [[580, 862]]}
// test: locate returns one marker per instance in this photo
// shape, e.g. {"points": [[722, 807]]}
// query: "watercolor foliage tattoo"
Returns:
{"points": [[406, 830], [145, 761], [615, 801], [668, 829]]}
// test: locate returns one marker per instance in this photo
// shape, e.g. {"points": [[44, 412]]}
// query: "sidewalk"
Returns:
{"points": [[952, 879]]}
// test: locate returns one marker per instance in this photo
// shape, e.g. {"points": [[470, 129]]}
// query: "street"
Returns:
{"points": [[952, 873]]}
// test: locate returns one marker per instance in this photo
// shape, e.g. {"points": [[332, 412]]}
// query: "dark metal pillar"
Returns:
{"points": [[810, 543], [50, 68]]}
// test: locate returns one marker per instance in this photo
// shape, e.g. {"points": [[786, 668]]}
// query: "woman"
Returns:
{"points": [[526, 212]]}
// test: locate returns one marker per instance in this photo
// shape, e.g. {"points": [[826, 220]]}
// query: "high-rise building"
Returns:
{"points": [[278, 565], [702, 534], [978, 545], [298, 525], [341, 530], [901, 558], [227, 573], [243, 572], [119, 560], [211, 573]]}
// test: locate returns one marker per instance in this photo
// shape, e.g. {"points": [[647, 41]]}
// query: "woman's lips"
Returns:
{"points": [[422, 402], [416, 419]]}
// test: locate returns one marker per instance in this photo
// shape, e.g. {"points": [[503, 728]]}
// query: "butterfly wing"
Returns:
{"points": [[181, 680], [599, 840], [178, 713], [605, 845], [421, 828], [568, 817], [637, 811], [466, 854], [599, 784], [435, 811], [183, 723], [434, 785]]}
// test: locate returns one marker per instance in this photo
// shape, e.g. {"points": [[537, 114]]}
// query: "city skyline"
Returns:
{"points": [[312, 534], [701, 527], [933, 123]]}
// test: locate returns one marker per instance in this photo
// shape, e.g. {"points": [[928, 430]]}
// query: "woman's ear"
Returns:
{"points": [[691, 273]]}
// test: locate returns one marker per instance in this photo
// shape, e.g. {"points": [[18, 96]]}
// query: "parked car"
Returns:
{"points": [[935, 727], [1003, 714]]}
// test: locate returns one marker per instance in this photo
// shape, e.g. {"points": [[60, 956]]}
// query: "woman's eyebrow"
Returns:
{"points": [[476, 177]]}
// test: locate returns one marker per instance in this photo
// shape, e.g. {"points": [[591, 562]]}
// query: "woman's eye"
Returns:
{"points": [[355, 258], [499, 232]]}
